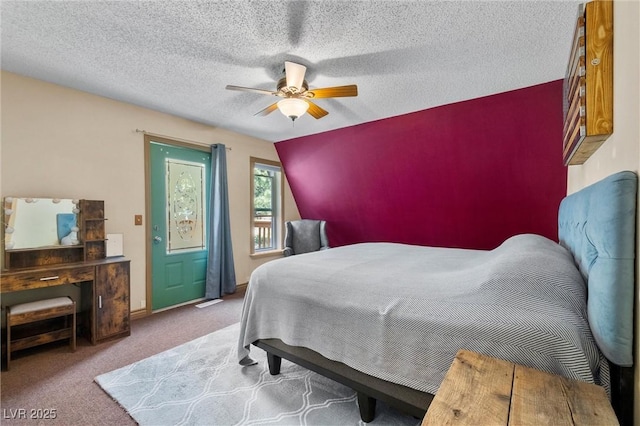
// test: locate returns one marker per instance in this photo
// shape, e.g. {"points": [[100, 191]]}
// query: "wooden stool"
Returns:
{"points": [[480, 389], [27, 313]]}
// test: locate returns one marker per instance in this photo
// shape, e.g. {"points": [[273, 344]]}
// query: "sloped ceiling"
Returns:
{"points": [[178, 56]]}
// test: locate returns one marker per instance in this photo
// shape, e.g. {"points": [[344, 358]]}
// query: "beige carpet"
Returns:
{"points": [[51, 377]]}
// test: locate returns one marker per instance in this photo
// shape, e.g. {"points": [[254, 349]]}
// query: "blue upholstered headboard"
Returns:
{"points": [[598, 225]]}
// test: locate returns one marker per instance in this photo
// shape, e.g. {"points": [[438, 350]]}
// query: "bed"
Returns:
{"points": [[387, 319]]}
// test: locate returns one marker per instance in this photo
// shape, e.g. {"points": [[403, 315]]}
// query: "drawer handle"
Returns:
{"points": [[100, 302], [49, 278]]}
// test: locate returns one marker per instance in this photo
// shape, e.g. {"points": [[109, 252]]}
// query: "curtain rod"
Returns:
{"points": [[174, 138]]}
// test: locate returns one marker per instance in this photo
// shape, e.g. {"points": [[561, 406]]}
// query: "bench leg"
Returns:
{"points": [[274, 363], [8, 343], [72, 342], [367, 406]]}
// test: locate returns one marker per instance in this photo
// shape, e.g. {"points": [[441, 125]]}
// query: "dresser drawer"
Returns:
{"points": [[15, 281]]}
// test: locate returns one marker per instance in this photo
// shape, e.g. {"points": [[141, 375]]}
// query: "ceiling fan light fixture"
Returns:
{"points": [[293, 107]]}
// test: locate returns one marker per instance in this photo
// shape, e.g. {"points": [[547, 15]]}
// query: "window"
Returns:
{"points": [[266, 206]]}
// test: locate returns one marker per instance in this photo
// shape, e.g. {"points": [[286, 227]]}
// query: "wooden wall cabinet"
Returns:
{"points": [[588, 84]]}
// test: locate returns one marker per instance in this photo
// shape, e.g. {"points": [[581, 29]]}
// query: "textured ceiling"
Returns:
{"points": [[178, 56]]}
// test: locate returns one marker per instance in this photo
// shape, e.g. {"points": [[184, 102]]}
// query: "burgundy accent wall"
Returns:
{"points": [[469, 174]]}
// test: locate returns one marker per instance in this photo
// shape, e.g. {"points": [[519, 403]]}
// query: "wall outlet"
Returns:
{"points": [[143, 304]]}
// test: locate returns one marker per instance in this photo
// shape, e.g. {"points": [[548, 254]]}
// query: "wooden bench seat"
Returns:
{"points": [[28, 313], [480, 390]]}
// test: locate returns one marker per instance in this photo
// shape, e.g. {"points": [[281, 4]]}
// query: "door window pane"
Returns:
{"points": [[185, 212]]}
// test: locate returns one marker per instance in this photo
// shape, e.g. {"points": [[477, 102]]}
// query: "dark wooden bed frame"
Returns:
{"points": [[408, 400], [369, 388]]}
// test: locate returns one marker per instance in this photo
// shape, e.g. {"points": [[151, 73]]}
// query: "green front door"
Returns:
{"points": [[180, 179]]}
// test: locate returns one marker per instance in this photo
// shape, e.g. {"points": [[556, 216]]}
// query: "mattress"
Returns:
{"points": [[401, 312]]}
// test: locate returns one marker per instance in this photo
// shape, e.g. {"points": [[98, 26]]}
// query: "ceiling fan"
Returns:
{"points": [[294, 90]]}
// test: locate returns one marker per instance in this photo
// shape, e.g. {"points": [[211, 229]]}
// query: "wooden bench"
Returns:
{"points": [[28, 313], [479, 390]]}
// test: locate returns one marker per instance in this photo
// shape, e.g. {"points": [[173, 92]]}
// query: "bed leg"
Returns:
{"points": [[367, 407], [274, 363], [622, 393]]}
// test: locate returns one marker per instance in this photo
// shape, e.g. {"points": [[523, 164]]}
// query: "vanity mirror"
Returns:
{"points": [[39, 222]]}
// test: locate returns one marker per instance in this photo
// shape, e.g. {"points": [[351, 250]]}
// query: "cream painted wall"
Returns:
{"points": [[622, 150], [59, 142]]}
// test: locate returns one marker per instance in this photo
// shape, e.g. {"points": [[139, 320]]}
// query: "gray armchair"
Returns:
{"points": [[304, 236]]}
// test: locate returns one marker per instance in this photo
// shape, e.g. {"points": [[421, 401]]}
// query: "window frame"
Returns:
{"points": [[278, 213]]}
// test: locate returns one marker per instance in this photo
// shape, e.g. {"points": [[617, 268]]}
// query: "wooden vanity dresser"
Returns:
{"points": [[104, 308]]}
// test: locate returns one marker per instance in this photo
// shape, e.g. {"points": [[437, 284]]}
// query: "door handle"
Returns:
{"points": [[157, 240]]}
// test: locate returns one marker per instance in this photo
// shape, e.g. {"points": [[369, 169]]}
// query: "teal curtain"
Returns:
{"points": [[221, 274]]}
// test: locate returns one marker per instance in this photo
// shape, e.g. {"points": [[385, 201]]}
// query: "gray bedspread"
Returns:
{"points": [[401, 312]]}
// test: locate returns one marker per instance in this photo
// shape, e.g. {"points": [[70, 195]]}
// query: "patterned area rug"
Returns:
{"points": [[201, 383]]}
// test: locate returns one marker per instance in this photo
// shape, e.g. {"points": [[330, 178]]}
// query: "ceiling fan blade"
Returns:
{"points": [[250, 89], [315, 111], [295, 75], [332, 92], [268, 110]]}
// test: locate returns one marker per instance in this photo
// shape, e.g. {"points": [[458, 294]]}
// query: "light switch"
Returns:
{"points": [[138, 219]]}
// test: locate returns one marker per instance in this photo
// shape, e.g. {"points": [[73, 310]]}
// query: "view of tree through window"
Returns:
{"points": [[266, 205], [263, 181]]}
